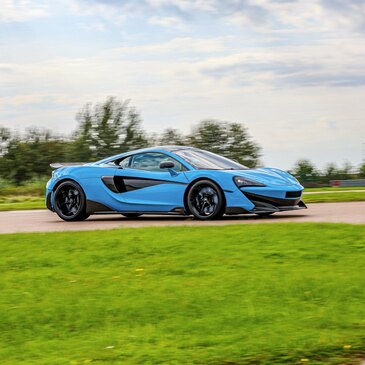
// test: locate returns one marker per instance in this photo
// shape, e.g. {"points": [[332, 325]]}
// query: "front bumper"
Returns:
{"points": [[272, 209], [272, 204], [268, 201]]}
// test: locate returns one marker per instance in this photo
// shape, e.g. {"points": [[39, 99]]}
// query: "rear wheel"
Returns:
{"points": [[205, 200], [70, 202], [131, 215]]}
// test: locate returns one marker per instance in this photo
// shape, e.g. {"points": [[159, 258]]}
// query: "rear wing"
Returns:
{"points": [[57, 165]]}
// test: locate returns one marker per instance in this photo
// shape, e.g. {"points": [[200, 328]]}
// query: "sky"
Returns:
{"points": [[292, 71]]}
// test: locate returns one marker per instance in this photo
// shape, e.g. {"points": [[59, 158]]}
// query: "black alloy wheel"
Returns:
{"points": [[205, 200], [131, 215], [70, 202]]}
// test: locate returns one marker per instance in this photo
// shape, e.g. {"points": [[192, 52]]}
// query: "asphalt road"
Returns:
{"points": [[45, 221]]}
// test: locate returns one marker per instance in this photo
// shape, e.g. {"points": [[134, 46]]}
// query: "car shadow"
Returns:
{"points": [[181, 218]]}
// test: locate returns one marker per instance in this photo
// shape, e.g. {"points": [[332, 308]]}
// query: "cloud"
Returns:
{"points": [[168, 22], [176, 47], [96, 26], [261, 15], [317, 64], [286, 74], [22, 10]]}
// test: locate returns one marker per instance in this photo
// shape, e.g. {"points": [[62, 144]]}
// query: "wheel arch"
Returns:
{"points": [[59, 182], [195, 181]]}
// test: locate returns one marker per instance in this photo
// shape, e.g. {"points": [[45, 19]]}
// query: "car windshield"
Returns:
{"points": [[204, 160]]}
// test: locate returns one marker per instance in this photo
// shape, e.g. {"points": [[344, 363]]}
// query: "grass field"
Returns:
{"points": [[283, 294], [21, 202], [330, 189], [334, 197], [29, 196]]}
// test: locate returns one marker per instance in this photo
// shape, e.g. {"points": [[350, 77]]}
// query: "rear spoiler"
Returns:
{"points": [[57, 165]]}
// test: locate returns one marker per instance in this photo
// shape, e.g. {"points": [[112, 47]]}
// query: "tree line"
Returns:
{"points": [[114, 126], [108, 128], [307, 173]]}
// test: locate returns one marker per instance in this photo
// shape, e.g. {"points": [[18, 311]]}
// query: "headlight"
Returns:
{"points": [[243, 181]]}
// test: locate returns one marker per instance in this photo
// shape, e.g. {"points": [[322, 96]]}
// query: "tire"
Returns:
{"points": [[131, 215], [205, 200], [69, 202]]}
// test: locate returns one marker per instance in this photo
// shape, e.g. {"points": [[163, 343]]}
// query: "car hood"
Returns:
{"points": [[267, 176]]}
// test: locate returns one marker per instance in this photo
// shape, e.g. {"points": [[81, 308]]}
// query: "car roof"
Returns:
{"points": [[171, 149], [166, 148]]}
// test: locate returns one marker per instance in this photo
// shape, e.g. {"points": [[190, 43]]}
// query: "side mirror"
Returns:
{"points": [[167, 165]]}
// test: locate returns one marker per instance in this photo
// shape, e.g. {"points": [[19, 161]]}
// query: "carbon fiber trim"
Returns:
{"points": [[277, 202], [120, 184], [95, 207]]}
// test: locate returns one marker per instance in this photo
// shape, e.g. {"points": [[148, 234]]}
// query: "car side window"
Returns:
{"points": [[125, 163], [150, 161]]}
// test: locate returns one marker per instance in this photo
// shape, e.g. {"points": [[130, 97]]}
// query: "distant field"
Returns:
{"points": [[335, 189], [283, 294], [29, 196], [334, 197], [21, 203], [32, 188]]}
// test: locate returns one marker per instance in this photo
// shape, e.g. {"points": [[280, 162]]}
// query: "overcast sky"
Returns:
{"points": [[292, 71]]}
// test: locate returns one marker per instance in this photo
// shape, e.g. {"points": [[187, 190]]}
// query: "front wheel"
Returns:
{"points": [[70, 202], [205, 200]]}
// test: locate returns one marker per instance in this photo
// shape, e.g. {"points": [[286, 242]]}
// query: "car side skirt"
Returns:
{"points": [[93, 207]]}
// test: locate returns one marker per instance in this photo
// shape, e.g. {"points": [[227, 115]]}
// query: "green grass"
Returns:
{"points": [[252, 294], [334, 197], [21, 202], [31, 188], [309, 190], [28, 196]]}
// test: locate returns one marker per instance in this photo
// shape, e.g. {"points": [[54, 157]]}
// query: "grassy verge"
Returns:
{"points": [[329, 189], [334, 197], [283, 294], [21, 203], [29, 196], [31, 188]]}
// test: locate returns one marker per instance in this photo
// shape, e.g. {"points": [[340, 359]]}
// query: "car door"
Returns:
{"points": [[149, 188]]}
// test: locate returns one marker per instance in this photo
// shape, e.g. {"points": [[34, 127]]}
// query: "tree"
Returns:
{"points": [[331, 172], [227, 139], [107, 123], [172, 137], [29, 156], [5, 136], [81, 147], [305, 171], [345, 172], [209, 135], [134, 137], [240, 146], [107, 128], [362, 170]]}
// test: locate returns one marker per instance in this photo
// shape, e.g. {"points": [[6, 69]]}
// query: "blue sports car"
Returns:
{"points": [[169, 180]]}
